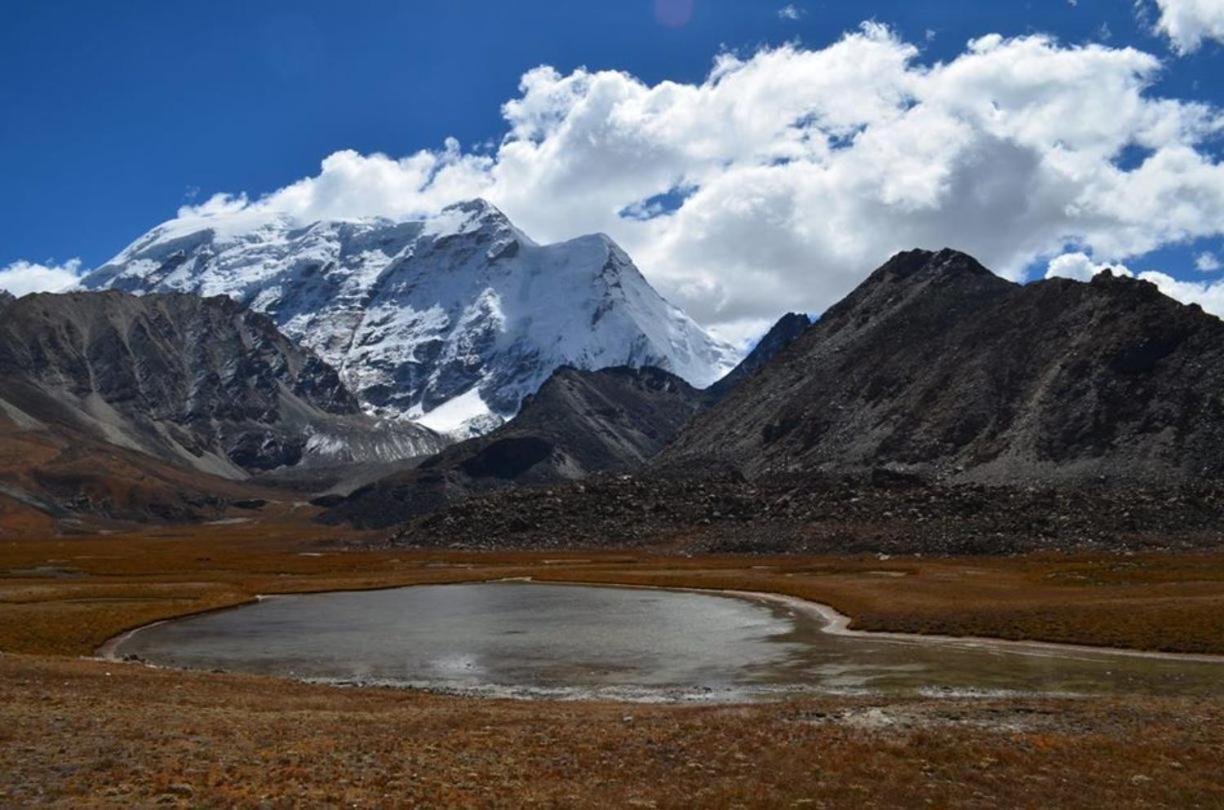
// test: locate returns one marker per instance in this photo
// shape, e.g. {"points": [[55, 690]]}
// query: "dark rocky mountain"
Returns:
{"points": [[937, 367], [197, 382], [578, 423], [6, 298], [780, 335]]}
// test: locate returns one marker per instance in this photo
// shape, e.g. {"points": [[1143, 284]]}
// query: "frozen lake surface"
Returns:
{"points": [[536, 640]]}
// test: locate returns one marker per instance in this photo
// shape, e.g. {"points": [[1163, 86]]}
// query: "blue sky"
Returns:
{"points": [[116, 114]]}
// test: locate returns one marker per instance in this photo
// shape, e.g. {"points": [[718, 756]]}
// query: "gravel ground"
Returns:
{"points": [[806, 514]]}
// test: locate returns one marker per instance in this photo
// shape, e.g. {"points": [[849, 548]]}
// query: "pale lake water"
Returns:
{"points": [[534, 640]]}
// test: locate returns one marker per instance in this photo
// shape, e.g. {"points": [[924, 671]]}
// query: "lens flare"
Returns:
{"points": [[673, 13]]}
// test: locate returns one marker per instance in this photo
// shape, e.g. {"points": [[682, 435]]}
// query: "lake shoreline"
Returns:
{"points": [[827, 619], [832, 622]]}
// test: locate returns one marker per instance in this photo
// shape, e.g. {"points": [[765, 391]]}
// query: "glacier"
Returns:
{"points": [[450, 320]]}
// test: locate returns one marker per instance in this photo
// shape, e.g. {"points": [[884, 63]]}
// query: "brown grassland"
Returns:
{"points": [[81, 732]]}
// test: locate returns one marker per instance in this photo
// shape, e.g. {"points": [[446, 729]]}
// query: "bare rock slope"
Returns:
{"points": [[198, 382], [935, 366], [578, 423], [787, 329]]}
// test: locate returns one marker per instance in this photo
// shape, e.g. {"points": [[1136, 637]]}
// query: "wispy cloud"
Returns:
{"points": [[790, 12]]}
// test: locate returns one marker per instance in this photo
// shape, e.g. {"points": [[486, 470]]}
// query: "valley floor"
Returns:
{"points": [[76, 731], [81, 733]]}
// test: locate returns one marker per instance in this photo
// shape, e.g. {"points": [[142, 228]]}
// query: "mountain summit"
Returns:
{"points": [[783, 333], [451, 320], [934, 365]]}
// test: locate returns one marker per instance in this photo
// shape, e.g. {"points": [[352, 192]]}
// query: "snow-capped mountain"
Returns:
{"points": [[450, 320]]}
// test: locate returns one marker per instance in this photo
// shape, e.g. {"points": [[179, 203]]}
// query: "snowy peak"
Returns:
{"points": [[472, 216], [451, 319]]}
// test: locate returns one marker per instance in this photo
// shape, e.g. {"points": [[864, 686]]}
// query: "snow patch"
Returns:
{"points": [[454, 415]]}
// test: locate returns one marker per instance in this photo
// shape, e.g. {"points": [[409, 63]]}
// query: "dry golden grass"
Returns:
{"points": [[93, 733], [1159, 602], [85, 733]]}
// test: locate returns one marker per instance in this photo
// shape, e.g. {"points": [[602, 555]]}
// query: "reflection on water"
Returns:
{"points": [[568, 640]]}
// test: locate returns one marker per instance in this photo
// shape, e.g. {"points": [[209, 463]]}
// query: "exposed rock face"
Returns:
{"points": [[580, 422], [202, 382], [780, 335], [6, 298], [451, 320], [936, 366]]}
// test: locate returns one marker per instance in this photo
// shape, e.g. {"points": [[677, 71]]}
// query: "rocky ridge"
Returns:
{"points": [[784, 332], [199, 382], [937, 367]]}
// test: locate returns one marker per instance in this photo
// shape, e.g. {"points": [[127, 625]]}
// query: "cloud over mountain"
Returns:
{"points": [[23, 277], [779, 179], [1207, 294]]}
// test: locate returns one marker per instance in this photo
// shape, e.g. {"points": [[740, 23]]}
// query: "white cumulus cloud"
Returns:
{"points": [[23, 277], [1207, 294], [1207, 262], [1079, 266], [781, 179], [1188, 22]]}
